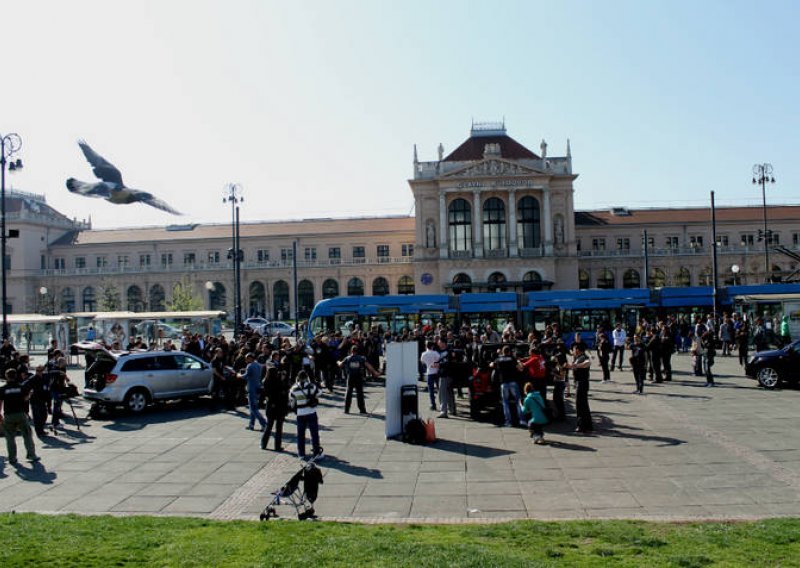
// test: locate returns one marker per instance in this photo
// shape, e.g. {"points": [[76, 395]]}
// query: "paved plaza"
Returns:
{"points": [[682, 451]]}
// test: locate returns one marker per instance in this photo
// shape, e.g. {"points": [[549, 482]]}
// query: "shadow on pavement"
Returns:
{"points": [[332, 462], [36, 472], [608, 427]]}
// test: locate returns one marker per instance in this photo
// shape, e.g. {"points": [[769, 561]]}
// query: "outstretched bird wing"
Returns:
{"points": [[151, 200], [101, 167]]}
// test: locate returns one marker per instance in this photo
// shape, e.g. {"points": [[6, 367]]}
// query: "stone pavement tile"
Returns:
{"points": [[738, 480], [199, 505], [658, 498], [607, 500], [618, 513], [442, 477], [139, 504], [676, 511], [493, 488], [558, 514], [776, 494], [789, 508], [389, 488], [644, 485], [386, 507], [385, 466], [12, 496], [395, 476], [735, 511], [165, 489], [437, 466], [490, 474], [486, 503], [95, 503], [505, 515], [354, 487], [211, 489], [441, 506], [440, 488], [232, 473], [533, 475], [46, 502], [335, 506], [707, 497], [591, 473], [598, 485]]}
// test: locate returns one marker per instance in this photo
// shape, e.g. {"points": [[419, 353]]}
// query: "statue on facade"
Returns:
{"points": [[430, 235]]}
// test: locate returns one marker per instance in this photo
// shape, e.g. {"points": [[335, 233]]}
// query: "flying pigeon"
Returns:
{"points": [[112, 188]]}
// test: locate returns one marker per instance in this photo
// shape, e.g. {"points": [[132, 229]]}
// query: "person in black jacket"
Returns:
{"points": [[653, 349], [638, 361], [39, 386], [277, 394], [604, 354], [667, 349]]}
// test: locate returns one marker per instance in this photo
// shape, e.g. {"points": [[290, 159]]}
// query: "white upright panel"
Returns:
{"points": [[401, 369]]}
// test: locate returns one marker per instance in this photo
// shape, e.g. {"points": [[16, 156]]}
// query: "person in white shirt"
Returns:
{"points": [[430, 358], [619, 336]]}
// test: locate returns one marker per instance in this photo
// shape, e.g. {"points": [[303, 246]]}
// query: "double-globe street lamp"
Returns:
{"points": [[233, 195], [762, 175], [10, 144]]}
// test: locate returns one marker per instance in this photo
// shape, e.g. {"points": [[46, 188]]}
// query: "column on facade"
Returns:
{"points": [[477, 224], [512, 222], [548, 223], [442, 225]]}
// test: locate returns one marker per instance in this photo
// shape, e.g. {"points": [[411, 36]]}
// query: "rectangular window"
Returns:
{"points": [[189, 259], [383, 253], [774, 238], [43, 262], [144, 260], [673, 243], [213, 257], [747, 239], [796, 239], [262, 255], [578, 245], [310, 253], [696, 241], [287, 254], [598, 244], [407, 249], [123, 261], [80, 262], [722, 240], [623, 244], [102, 262], [334, 253], [166, 259], [359, 252]]}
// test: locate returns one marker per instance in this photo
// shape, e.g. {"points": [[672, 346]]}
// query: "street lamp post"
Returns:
{"points": [[233, 195], [10, 144], [762, 175]]}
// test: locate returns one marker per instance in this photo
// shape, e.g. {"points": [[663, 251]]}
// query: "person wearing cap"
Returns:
{"points": [[13, 415]]}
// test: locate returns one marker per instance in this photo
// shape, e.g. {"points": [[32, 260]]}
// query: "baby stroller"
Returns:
{"points": [[302, 499]]}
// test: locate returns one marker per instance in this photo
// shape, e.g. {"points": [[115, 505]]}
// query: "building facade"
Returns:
{"points": [[491, 215]]}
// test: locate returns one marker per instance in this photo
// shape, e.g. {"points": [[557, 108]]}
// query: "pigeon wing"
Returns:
{"points": [[88, 189], [101, 167], [151, 200]]}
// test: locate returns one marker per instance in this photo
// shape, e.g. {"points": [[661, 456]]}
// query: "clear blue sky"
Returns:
{"points": [[315, 106]]}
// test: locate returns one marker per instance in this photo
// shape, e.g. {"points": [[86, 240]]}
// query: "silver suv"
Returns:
{"points": [[136, 379]]}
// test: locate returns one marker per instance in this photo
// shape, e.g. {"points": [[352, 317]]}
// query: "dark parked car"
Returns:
{"points": [[771, 368]]}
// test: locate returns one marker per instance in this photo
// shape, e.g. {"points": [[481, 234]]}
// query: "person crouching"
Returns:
{"points": [[533, 409]]}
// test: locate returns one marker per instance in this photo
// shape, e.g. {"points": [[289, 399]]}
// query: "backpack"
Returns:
{"points": [[414, 432]]}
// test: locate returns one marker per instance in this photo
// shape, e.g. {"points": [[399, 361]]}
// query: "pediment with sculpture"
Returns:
{"points": [[492, 167]]}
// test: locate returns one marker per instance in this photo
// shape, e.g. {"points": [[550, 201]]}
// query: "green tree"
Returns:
{"points": [[184, 299], [109, 297]]}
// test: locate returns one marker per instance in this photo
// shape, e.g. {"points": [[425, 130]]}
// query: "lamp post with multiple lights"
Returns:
{"points": [[762, 175], [10, 144], [233, 195]]}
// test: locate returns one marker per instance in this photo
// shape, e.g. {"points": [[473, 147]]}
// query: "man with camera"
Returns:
{"points": [[14, 398]]}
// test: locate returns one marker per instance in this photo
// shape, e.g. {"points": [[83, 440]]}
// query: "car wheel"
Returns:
{"points": [[768, 378], [136, 400]]}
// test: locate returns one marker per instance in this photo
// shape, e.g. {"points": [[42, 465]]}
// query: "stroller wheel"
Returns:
{"points": [[262, 517]]}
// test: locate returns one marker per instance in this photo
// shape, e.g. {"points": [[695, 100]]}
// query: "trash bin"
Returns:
{"points": [[409, 406]]}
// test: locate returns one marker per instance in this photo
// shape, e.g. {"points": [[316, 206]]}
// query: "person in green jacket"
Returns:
{"points": [[786, 337], [533, 409]]}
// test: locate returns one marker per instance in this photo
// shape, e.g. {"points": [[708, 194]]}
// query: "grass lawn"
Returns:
{"points": [[29, 539]]}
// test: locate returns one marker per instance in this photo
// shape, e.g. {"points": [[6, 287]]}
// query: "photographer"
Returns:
{"points": [[13, 408]]}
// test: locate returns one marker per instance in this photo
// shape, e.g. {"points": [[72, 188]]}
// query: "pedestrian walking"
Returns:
{"points": [[277, 395], [355, 367], [430, 359], [580, 371], [304, 398], [252, 377], [638, 362], [619, 336], [14, 398], [708, 352]]}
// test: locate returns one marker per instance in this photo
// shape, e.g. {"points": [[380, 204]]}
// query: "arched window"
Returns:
{"points": [[157, 298], [258, 299], [529, 225], [494, 224], [355, 287], [280, 300], [704, 278], [532, 280], [605, 280], [89, 302], [380, 286], [305, 298], [217, 298], [583, 279], [405, 285], [683, 278], [135, 301], [658, 278], [631, 279], [497, 282], [777, 273], [67, 300], [330, 289], [460, 225], [462, 283]]}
